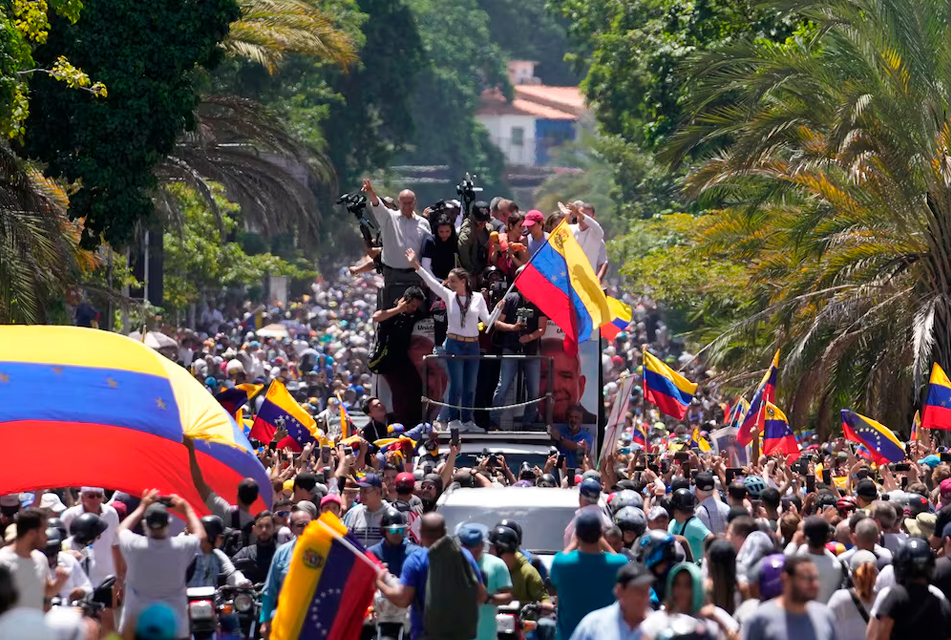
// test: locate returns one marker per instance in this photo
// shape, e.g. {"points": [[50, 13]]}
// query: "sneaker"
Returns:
{"points": [[456, 424], [440, 426], [471, 427]]}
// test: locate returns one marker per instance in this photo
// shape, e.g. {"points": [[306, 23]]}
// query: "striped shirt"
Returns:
{"points": [[365, 524]]}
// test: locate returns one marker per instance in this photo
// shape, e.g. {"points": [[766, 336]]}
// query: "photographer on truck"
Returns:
{"points": [[399, 231], [519, 331]]}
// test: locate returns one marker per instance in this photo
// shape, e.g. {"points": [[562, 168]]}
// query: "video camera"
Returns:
{"points": [[467, 191], [524, 314], [356, 203]]}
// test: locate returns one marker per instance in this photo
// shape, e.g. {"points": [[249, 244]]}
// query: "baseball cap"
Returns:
{"points": [[533, 217], [405, 477], [330, 497], [930, 460], [92, 490], [657, 513], [51, 502], [592, 473], [917, 504], [10, 500], [156, 623], [945, 490], [704, 481], [156, 516], [590, 488], [370, 480], [472, 534], [634, 573], [866, 489]]}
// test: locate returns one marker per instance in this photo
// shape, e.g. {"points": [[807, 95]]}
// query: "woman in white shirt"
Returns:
{"points": [[464, 310], [852, 607]]}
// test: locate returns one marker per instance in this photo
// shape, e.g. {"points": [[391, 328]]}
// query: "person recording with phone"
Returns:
{"points": [[520, 328]]}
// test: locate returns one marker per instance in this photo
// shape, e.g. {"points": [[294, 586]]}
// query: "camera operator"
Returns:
{"points": [[474, 239], [390, 357], [399, 231], [520, 328]]}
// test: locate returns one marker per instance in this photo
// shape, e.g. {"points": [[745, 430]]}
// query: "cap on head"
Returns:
{"points": [[370, 480], [867, 491], [156, 516], [533, 217], [472, 535], [704, 481], [590, 488]]}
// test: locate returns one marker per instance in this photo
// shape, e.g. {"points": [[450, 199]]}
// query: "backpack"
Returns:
{"points": [[451, 609], [236, 536]]}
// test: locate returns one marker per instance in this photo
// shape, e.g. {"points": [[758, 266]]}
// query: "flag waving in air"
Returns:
{"points": [[937, 409], [882, 444], [559, 280], [236, 397], [778, 437], [667, 389], [915, 423], [736, 414], [279, 409], [621, 315], [752, 422], [698, 441]]}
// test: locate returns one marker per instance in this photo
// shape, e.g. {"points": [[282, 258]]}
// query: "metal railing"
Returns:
{"points": [[519, 383]]}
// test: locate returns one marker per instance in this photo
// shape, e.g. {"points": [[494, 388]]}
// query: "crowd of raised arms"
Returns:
{"points": [[672, 538]]}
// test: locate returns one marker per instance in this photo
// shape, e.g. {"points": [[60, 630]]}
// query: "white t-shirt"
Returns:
{"points": [[29, 576], [830, 572], [659, 621], [590, 239], [156, 573], [77, 577], [105, 565], [849, 623]]}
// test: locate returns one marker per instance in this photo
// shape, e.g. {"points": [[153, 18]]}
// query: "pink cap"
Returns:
{"points": [[532, 217], [330, 497]]}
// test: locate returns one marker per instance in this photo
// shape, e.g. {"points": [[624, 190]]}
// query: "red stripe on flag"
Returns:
{"points": [[552, 301], [936, 417]]}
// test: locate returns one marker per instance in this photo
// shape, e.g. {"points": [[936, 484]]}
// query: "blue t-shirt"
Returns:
{"points": [[585, 582], [571, 456], [415, 572], [394, 557]]}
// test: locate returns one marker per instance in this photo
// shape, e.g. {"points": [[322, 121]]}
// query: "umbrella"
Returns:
{"points": [[273, 331], [155, 340], [104, 410]]}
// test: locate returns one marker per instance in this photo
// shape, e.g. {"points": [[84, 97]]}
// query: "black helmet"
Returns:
{"points": [[86, 527], [625, 498], [631, 519], [913, 560], [683, 500], [546, 480], [214, 527], [54, 542], [514, 526], [392, 517], [505, 539], [56, 523], [654, 547]]}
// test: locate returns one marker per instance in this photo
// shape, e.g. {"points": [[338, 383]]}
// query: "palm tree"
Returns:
{"points": [[269, 30], [40, 258], [828, 160]]}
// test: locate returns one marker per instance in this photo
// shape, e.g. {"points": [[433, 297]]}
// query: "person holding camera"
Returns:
{"points": [[474, 239], [520, 327], [399, 231], [464, 310], [390, 357]]}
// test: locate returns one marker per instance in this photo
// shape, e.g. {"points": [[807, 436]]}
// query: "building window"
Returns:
{"points": [[518, 136]]}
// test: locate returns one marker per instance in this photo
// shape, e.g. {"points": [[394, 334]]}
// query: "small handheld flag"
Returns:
{"points": [[752, 422], [236, 397], [667, 389], [778, 437], [937, 408], [698, 441], [279, 409], [881, 443], [914, 427]]}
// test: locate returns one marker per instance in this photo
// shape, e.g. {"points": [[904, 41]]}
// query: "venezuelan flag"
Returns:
{"points": [[559, 280], [778, 437], [116, 413], [236, 397], [739, 410], [766, 392], [698, 441], [937, 409], [862, 451], [328, 587], [667, 389], [280, 409], [881, 443], [621, 315], [914, 427], [638, 436]]}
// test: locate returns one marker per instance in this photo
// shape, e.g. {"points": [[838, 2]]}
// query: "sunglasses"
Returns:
{"points": [[282, 514], [396, 528], [299, 525], [94, 495]]}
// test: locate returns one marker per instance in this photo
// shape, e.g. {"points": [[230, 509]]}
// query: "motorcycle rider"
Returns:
{"points": [[632, 522], [84, 530], [393, 550], [77, 585], [211, 561], [527, 585], [532, 560], [255, 560], [657, 551]]}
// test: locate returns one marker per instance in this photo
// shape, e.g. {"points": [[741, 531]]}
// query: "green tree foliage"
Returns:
{"points": [[146, 54], [198, 258], [829, 155], [527, 30]]}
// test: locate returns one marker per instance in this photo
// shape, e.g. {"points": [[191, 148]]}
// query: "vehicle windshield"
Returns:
{"points": [[513, 460], [543, 528]]}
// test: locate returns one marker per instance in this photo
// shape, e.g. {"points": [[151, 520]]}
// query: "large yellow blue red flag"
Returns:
{"points": [[279, 409], [236, 397], [937, 409], [328, 587], [560, 281], [667, 389], [752, 422], [882, 444], [778, 436], [621, 315]]}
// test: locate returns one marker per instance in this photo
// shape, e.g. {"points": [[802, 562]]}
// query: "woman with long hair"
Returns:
{"points": [[721, 574], [851, 607], [464, 310], [685, 597], [440, 253]]}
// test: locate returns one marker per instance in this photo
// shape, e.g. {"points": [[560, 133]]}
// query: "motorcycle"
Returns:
{"points": [[386, 621], [94, 603], [514, 621], [232, 610]]}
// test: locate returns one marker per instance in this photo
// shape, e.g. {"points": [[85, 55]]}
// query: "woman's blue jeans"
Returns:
{"points": [[463, 375]]}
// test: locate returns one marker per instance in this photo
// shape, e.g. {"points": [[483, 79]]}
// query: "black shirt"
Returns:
{"points": [[917, 613], [942, 576], [397, 332], [260, 555], [510, 339], [443, 254]]}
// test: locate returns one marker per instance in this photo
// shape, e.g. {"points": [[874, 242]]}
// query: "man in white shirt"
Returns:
{"points": [[158, 562], [77, 585], [25, 560], [399, 231], [211, 318], [109, 561], [587, 232], [710, 511]]}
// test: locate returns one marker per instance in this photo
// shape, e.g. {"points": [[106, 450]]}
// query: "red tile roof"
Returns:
{"points": [[549, 103]]}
